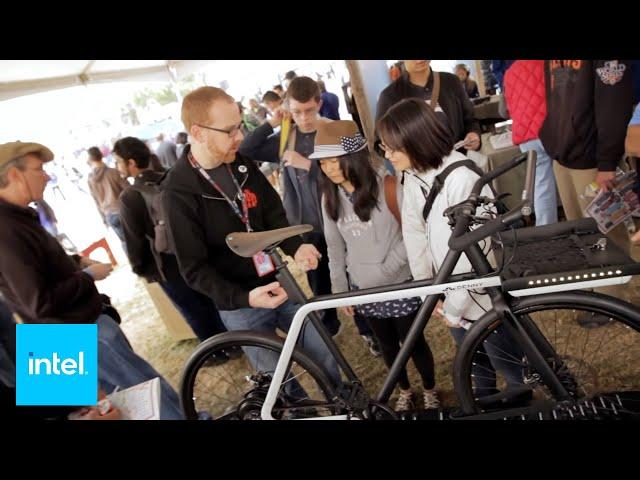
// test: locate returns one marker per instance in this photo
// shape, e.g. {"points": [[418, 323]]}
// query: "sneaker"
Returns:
{"points": [[431, 400], [372, 343], [234, 352], [405, 401], [592, 320], [216, 359]]}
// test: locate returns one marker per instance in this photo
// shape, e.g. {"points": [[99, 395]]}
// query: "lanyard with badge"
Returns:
{"points": [[262, 261]]}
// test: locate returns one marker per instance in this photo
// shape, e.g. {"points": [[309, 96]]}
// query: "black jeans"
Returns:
{"points": [[362, 325], [320, 280], [390, 333], [499, 352], [199, 311]]}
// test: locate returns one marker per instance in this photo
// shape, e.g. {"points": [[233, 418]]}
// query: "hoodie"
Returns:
{"points": [[589, 104], [372, 252], [428, 242], [106, 184], [199, 219]]}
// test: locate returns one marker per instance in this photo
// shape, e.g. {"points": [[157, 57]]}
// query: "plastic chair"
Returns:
{"points": [[102, 243]]}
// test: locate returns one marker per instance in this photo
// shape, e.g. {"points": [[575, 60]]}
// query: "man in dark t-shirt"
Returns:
{"points": [[300, 175]]}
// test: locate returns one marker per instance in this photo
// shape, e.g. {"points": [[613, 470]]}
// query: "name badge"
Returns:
{"points": [[263, 263]]}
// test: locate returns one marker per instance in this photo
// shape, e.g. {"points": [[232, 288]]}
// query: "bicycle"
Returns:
{"points": [[548, 382]]}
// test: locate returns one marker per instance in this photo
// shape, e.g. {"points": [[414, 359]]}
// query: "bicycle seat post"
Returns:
{"points": [[286, 279]]}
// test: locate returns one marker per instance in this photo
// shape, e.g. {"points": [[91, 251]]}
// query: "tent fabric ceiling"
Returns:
{"points": [[25, 77]]}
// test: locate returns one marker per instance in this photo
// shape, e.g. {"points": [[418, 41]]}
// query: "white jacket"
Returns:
{"points": [[427, 243]]}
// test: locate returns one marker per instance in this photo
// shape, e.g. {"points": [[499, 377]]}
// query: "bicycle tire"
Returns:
{"points": [[241, 338], [617, 310]]}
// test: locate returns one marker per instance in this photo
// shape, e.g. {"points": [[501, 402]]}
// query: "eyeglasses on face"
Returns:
{"points": [[231, 132]]}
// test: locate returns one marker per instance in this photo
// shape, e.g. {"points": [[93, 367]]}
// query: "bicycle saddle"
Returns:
{"points": [[247, 244]]}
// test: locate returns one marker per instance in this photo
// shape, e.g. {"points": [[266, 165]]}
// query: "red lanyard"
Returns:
{"points": [[242, 215]]}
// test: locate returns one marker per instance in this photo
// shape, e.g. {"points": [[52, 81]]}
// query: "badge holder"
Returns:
{"points": [[263, 264]]}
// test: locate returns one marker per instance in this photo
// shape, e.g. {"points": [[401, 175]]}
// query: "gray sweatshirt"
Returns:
{"points": [[372, 252]]}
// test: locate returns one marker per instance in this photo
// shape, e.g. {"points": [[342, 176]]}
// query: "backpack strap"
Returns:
{"points": [[435, 94], [438, 183], [391, 197]]}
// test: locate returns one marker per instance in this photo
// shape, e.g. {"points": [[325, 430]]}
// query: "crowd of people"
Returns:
{"points": [[229, 173]]}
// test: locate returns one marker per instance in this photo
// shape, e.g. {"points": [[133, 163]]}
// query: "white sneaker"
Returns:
{"points": [[405, 401], [431, 400]]}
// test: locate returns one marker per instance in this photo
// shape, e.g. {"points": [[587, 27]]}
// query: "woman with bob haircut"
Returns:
{"points": [[417, 143]]}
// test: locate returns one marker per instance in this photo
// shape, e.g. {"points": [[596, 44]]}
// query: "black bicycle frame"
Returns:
{"points": [[513, 325], [297, 295], [517, 327]]}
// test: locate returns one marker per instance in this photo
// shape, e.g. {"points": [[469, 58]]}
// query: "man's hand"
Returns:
{"points": [[307, 257], [99, 271], [278, 115], [347, 310], [294, 159], [86, 262], [605, 179], [92, 413], [472, 141], [267, 296]]}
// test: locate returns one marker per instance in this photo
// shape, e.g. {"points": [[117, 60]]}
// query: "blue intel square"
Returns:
{"points": [[57, 364]]}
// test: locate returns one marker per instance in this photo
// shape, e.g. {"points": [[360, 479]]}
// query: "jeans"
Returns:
{"points": [[199, 311], [497, 353], [120, 366], [7, 347], [265, 320], [113, 220], [545, 200]]}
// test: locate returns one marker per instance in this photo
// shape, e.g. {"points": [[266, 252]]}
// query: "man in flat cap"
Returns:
{"points": [[42, 284]]}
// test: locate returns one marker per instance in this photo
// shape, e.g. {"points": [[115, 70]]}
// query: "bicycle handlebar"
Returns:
{"points": [[460, 240]]}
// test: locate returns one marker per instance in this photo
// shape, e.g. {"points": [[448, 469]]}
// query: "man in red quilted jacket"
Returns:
{"points": [[525, 95]]}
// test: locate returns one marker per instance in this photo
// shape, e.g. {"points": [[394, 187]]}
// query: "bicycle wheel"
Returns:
{"points": [[600, 368], [236, 389]]}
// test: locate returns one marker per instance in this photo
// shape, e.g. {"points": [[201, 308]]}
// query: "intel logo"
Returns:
{"points": [[57, 366]]}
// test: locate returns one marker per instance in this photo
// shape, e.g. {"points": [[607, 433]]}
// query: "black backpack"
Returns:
{"points": [[159, 242], [438, 183]]}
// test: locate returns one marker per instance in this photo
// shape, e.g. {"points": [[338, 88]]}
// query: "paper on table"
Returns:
{"points": [[140, 402]]}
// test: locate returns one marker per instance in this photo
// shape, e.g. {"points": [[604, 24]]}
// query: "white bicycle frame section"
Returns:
{"points": [[307, 308]]}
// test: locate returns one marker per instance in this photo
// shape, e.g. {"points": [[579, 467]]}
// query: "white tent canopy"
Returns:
{"points": [[24, 77]]}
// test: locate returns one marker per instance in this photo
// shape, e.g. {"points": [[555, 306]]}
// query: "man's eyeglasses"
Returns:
{"points": [[232, 132]]}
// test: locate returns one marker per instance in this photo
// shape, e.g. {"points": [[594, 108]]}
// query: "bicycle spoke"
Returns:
{"points": [[477, 365], [233, 384], [502, 359], [582, 357]]}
